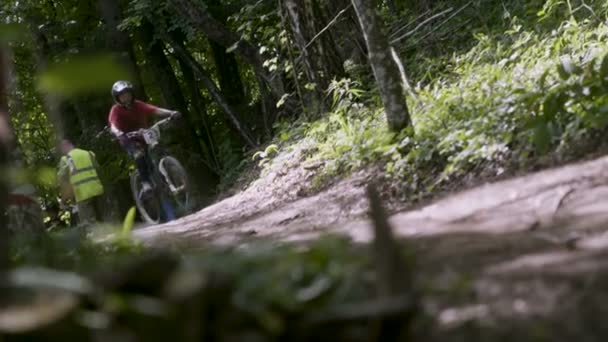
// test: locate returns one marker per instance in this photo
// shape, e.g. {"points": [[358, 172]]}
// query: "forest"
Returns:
{"points": [[357, 170]]}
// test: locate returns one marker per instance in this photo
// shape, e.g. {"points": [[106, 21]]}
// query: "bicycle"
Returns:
{"points": [[170, 196]]}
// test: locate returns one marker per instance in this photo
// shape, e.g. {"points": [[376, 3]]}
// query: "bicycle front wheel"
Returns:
{"points": [[176, 178], [149, 207]]}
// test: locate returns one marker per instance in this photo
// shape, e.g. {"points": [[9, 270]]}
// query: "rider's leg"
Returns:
{"points": [[137, 153], [141, 162]]}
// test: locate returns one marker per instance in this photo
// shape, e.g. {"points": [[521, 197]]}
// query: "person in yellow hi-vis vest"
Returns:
{"points": [[78, 179]]}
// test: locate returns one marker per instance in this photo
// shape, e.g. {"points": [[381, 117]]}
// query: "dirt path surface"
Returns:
{"points": [[528, 248], [573, 198]]}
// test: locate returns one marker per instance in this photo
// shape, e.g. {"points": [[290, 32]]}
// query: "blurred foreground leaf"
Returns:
{"points": [[11, 32], [81, 74], [127, 225], [46, 176]]}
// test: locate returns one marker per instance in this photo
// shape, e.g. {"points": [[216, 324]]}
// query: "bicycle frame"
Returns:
{"points": [[153, 153]]}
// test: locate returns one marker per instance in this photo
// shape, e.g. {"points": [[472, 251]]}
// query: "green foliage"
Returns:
{"points": [[273, 282], [514, 96], [264, 157], [262, 289], [68, 249], [350, 136]]}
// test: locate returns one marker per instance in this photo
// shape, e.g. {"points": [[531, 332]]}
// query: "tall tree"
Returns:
{"points": [[385, 68], [229, 78], [200, 118], [310, 21], [205, 78], [5, 137], [119, 41], [173, 98]]}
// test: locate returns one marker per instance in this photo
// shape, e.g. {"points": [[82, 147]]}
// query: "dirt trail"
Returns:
{"points": [[533, 246], [573, 197]]}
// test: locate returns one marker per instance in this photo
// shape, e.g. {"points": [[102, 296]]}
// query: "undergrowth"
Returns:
{"points": [[513, 99]]}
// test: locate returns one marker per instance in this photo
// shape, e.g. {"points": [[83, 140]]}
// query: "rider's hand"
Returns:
{"points": [[130, 135], [175, 114], [122, 137]]}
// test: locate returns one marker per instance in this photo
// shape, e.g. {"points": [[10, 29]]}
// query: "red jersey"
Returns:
{"points": [[133, 118]]}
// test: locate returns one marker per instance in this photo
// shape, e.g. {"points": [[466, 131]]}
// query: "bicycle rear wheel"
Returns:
{"points": [[149, 207], [177, 180]]}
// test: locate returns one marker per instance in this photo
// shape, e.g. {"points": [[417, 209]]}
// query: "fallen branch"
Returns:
{"points": [[406, 85], [446, 20], [215, 92], [409, 33], [438, 26], [392, 35], [331, 22]]}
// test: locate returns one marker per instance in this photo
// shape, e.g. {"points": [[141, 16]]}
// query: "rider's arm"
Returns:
{"points": [[115, 130], [112, 120], [154, 110], [164, 113]]}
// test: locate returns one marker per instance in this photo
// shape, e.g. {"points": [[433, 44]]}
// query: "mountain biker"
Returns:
{"points": [[128, 115]]}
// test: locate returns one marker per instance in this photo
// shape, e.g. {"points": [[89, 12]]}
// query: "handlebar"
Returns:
{"points": [[139, 132]]}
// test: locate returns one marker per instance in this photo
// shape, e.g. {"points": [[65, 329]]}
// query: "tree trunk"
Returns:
{"points": [[201, 120], [92, 113], [312, 26], [119, 42], [229, 76], [173, 98], [206, 79], [385, 70], [391, 5], [5, 138], [231, 84], [63, 115]]}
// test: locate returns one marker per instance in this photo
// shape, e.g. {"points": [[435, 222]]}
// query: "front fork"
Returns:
{"points": [[167, 207]]}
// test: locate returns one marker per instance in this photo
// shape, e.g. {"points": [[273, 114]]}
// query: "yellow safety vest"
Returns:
{"points": [[83, 176]]}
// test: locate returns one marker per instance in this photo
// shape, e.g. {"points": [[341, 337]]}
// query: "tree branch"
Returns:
{"points": [[409, 33], [212, 88], [331, 22], [5, 139], [445, 21]]}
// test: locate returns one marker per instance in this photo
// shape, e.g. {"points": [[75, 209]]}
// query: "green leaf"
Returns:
{"points": [[567, 68], [282, 100], [127, 225], [553, 105], [542, 137], [271, 149], [604, 69], [233, 47], [46, 176], [81, 74], [543, 78]]}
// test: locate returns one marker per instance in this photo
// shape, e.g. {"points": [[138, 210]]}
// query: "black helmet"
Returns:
{"points": [[120, 87]]}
